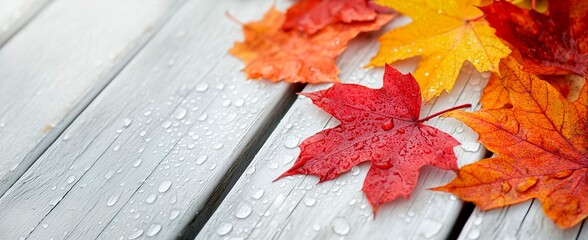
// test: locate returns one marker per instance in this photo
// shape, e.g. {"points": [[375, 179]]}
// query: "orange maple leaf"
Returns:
{"points": [[541, 148], [495, 95], [274, 54]]}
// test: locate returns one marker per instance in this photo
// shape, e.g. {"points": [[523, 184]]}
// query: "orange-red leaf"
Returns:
{"points": [[541, 148], [556, 43], [274, 54], [310, 16], [377, 125], [495, 95]]}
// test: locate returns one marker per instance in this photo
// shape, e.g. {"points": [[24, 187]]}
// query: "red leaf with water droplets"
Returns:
{"points": [[553, 43], [310, 16], [377, 125]]}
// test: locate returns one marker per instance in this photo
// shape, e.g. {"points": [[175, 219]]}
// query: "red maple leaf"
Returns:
{"points": [[377, 125], [556, 43], [310, 16]]}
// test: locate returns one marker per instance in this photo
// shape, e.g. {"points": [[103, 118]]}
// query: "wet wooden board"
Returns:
{"points": [[56, 65], [521, 221], [298, 208], [14, 15], [145, 156]]}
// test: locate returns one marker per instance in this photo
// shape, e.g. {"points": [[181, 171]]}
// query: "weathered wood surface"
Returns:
{"points": [[54, 66], [144, 157], [297, 208], [521, 221], [14, 15]]}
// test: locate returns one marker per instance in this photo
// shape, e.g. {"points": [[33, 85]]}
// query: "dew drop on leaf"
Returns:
{"points": [[526, 184], [387, 125]]}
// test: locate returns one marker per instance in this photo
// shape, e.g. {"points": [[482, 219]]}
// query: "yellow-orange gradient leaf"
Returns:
{"points": [[541, 147], [271, 53], [445, 33]]}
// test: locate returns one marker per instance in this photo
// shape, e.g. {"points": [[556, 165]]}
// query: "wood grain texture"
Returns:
{"points": [[298, 208], [144, 157], [521, 221], [14, 15], [52, 68]]}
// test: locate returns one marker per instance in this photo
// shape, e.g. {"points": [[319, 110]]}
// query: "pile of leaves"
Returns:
{"points": [[533, 118]]}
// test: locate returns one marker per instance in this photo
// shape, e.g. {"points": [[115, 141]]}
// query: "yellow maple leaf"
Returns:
{"points": [[445, 33]]}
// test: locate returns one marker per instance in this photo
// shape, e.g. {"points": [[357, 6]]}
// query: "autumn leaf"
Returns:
{"points": [[556, 43], [310, 16], [293, 56], [495, 95], [377, 125], [540, 146], [445, 34]]}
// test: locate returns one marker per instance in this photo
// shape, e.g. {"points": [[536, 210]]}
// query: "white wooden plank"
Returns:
{"points": [[147, 153], [15, 14], [58, 63], [297, 208], [521, 221]]}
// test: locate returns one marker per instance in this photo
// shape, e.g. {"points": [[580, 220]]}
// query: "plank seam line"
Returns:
{"points": [[73, 185], [163, 158], [86, 100], [237, 168]]}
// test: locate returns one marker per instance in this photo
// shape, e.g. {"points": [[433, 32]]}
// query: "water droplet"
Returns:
{"points": [[243, 211], [250, 170], [112, 200], [137, 162], [309, 202], [526, 184], [505, 186], [171, 62], [224, 229], [164, 186], [136, 234], [71, 179], [355, 170], [174, 214], [387, 125], [203, 117], [291, 141], [239, 103], [153, 230], [257, 194], [180, 113], [127, 122], [55, 201], [340, 226], [478, 220], [431, 228], [563, 174], [151, 198], [201, 87], [45, 225], [474, 234], [109, 174], [201, 159], [166, 124], [218, 146], [316, 227]]}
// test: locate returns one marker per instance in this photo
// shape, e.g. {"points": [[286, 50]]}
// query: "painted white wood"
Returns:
{"points": [[298, 208], [53, 67], [143, 158], [15, 14], [521, 221]]}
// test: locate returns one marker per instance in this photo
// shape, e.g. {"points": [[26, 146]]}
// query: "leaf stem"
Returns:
{"points": [[444, 111], [475, 18], [233, 18]]}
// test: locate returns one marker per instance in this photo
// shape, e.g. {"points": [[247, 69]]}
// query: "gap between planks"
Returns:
{"points": [[295, 207]]}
